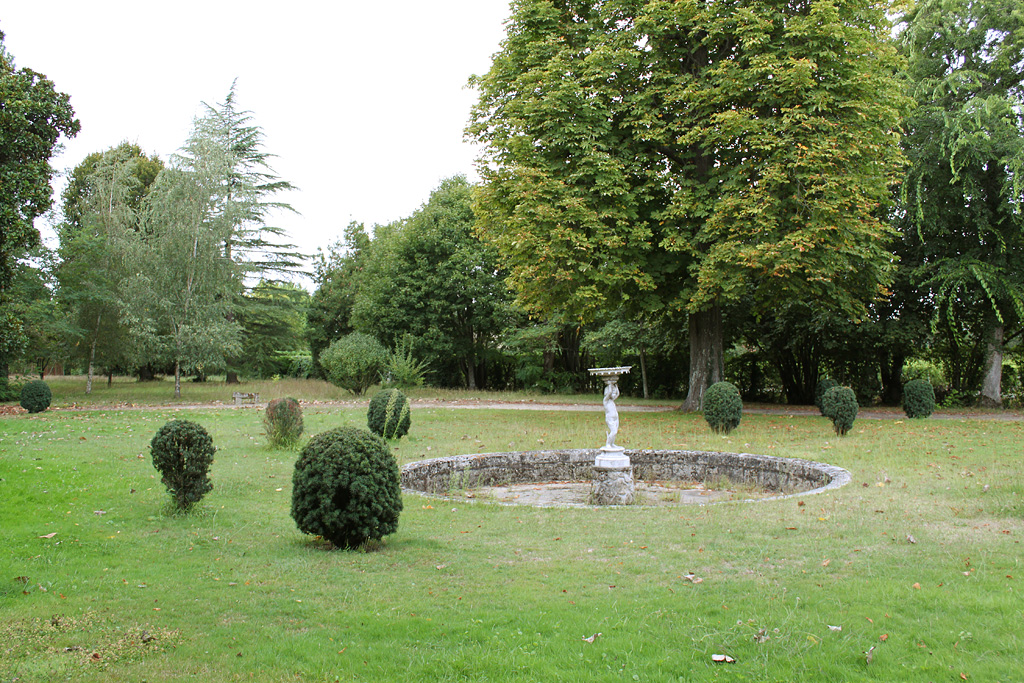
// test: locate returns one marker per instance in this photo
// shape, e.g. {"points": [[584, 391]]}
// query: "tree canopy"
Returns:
{"points": [[678, 155]]}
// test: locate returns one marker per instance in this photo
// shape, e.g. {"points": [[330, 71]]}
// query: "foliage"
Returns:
{"points": [[178, 301], [961, 217], [346, 488], [354, 362], [337, 276], [389, 414], [918, 399], [9, 392], [182, 453], [403, 369], [680, 156], [820, 389], [839, 404], [282, 421], [272, 320], [723, 407], [33, 116], [429, 277], [36, 396]]}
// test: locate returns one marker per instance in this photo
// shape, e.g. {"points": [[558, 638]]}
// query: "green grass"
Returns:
{"points": [[467, 591]]}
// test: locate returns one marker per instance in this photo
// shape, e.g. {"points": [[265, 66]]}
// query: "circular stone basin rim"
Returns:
{"points": [[782, 477]]}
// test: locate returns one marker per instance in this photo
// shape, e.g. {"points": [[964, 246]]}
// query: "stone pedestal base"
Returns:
{"points": [[613, 486]]}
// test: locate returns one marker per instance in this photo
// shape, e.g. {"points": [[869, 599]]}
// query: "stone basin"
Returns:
{"points": [[776, 477]]}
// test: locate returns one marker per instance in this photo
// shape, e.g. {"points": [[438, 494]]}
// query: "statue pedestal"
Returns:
{"points": [[613, 485], [612, 458]]}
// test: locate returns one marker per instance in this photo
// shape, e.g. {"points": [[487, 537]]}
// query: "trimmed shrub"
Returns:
{"points": [[918, 398], [839, 404], [282, 421], [823, 385], [723, 407], [183, 452], [354, 362], [389, 414], [36, 396], [346, 487]]}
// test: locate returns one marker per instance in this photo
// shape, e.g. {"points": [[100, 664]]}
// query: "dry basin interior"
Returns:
{"points": [[776, 477]]}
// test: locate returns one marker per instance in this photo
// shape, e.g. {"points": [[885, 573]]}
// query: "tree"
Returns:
{"points": [[102, 205], [272, 321], [336, 275], [179, 293], [431, 278], [33, 116], [962, 199], [672, 156]]}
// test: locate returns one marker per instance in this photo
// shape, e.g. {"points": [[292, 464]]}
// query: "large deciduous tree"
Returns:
{"points": [[677, 156], [962, 221], [33, 116]]}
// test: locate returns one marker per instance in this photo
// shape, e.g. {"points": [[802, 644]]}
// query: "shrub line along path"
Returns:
{"points": [[883, 413]]}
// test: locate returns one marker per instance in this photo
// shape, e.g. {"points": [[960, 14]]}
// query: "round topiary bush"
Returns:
{"points": [[723, 407], [36, 396], [282, 421], [354, 362], [346, 487], [839, 404], [823, 385], [389, 414], [182, 453], [918, 398]]}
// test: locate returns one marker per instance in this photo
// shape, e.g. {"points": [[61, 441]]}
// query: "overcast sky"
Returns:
{"points": [[364, 103]]}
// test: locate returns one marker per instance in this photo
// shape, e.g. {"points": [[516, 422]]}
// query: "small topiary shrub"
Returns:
{"points": [[182, 453], [723, 407], [820, 388], [389, 414], [354, 362], [839, 404], [282, 421], [36, 396], [346, 487], [918, 398]]}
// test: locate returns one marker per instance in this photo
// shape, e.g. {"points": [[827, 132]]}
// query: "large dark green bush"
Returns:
{"points": [[282, 421], [823, 385], [839, 404], [354, 362], [918, 398], [36, 396], [723, 407], [389, 414], [346, 487], [182, 453]]}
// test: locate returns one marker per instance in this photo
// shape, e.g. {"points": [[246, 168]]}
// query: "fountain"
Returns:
{"points": [[613, 473]]}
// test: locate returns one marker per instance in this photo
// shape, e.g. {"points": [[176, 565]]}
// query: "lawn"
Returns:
{"points": [[919, 558]]}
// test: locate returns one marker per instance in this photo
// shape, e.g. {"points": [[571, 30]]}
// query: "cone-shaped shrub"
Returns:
{"points": [[36, 396], [182, 453], [389, 414], [346, 487], [918, 398], [839, 404], [820, 388], [723, 407], [282, 421]]}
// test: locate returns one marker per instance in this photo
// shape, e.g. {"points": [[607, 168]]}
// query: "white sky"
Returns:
{"points": [[364, 103]]}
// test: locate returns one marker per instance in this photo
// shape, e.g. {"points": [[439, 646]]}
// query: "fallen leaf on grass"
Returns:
{"points": [[826, 563], [916, 586], [693, 578], [49, 535], [761, 636], [591, 638], [869, 655], [722, 658], [99, 512], [835, 628], [884, 637], [911, 539]]}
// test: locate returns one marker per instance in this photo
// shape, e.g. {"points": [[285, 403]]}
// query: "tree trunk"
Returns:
{"points": [[707, 364], [471, 373], [890, 367], [110, 378], [991, 396], [92, 353], [643, 369], [231, 377], [177, 379]]}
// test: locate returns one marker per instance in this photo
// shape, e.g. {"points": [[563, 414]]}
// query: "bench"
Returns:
{"points": [[243, 397]]}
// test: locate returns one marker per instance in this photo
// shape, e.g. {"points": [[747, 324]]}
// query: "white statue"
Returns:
{"points": [[611, 414]]}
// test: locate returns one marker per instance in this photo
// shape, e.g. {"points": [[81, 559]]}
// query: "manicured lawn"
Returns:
{"points": [[919, 557]]}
